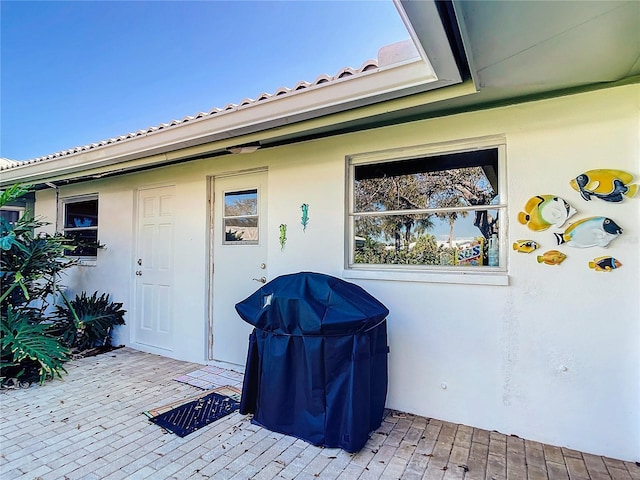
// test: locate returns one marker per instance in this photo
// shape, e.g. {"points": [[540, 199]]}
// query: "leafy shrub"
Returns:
{"points": [[32, 342], [87, 322], [28, 346]]}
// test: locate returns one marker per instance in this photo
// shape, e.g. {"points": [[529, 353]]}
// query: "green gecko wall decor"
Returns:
{"points": [[305, 216], [283, 235]]}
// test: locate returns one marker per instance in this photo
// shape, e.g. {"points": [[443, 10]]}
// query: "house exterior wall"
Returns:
{"points": [[554, 356]]}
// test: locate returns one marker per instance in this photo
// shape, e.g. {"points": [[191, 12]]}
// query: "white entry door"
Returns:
{"points": [[154, 268], [239, 259]]}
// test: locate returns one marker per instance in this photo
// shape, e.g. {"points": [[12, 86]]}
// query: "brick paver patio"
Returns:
{"points": [[90, 426]]}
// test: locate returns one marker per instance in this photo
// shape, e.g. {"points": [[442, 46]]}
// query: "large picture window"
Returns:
{"points": [[430, 210], [80, 223]]}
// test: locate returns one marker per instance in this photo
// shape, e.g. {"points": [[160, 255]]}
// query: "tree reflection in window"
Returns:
{"points": [[420, 210], [240, 219]]}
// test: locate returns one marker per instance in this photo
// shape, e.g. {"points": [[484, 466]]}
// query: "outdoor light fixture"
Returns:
{"points": [[246, 148]]}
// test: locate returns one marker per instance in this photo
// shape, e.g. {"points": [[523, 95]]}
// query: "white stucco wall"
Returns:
{"points": [[554, 356]]}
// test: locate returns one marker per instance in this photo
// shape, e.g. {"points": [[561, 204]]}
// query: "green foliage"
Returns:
{"points": [[87, 322], [424, 251], [32, 342], [24, 344], [13, 192], [34, 262], [29, 266]]}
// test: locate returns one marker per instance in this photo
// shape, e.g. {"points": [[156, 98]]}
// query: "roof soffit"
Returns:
{"points": [[520, 48]]}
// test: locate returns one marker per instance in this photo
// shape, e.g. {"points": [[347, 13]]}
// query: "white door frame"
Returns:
{"points": [[211, 193], [136, 286]]}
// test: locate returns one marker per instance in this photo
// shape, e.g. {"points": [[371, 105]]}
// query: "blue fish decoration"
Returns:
{"points": [[589, 232], [305, 216], [604, 264]]}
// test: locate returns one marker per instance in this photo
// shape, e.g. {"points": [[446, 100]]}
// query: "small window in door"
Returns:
{"points": [[240, 218]]}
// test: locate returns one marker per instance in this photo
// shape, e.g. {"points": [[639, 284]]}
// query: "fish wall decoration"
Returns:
{"points": [[606, 184], [551, 257], [544, 211], [525, 246], [604, 264], [305, 216], [589, 232]]}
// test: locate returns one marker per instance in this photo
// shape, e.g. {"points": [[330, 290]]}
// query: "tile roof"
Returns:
{"points": [[7, 163], [321, 80]]}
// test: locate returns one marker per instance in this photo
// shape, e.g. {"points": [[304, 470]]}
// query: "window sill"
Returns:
{"points": [[497, 278], [86, 262]]}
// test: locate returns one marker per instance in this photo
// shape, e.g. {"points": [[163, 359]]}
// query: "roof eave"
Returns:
{"points": [[225, 128], [436, 68]]}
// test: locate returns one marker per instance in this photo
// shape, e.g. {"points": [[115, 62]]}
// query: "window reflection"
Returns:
{"points": [[240, 220]]}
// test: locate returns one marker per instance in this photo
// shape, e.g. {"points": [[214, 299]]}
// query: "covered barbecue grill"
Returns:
{"points": [[317, 359]]}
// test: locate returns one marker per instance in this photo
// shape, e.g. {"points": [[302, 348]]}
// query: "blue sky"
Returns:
{"points": [[74, 73]]}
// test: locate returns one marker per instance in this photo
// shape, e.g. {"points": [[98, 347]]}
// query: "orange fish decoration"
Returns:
{"points": [[552, 257]]}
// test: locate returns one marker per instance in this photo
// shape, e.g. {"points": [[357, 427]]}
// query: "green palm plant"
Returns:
{"points": [[34, 339], [27, 346], [30, 265], [87, 321]]}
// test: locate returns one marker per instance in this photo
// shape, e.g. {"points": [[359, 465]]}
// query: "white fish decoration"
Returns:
{"points": [[544, 211], [589, 232]]}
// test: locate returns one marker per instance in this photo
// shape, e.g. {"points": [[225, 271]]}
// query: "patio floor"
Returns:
{"points": [[91, 426]]}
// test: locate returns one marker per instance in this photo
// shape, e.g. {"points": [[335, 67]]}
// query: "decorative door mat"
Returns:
{"points": [[193, 415], [227, 391], [210, 376]]}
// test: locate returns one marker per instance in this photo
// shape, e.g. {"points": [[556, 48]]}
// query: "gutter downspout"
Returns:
{"points": [[53, 185], [57, 222]]}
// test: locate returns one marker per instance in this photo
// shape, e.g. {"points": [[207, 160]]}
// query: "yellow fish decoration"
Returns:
{"points": [[606, 184], [525, 246], [543, 211], [604, 264], [552, 257]]}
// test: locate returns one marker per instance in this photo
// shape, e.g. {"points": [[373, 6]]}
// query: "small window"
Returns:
{"points": [[431, 211], [80, 223], [240, 219], [11, 214]]}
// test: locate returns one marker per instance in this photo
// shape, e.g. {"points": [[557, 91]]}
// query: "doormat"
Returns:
{"points": [[227, 391], [196, 414], [211, 376]]}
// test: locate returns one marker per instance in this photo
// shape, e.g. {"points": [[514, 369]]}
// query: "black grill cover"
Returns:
{"points": [[317, 359]]}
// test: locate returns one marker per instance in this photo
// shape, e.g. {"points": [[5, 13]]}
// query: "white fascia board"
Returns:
{"points": [[296, 106], [425, 27], [211, 148], [121, 157], [377, 86]]}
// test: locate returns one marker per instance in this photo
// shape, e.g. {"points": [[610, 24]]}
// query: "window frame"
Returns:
{"points": [[429, 273], [225, 217], [12, 208], [64, 202]]}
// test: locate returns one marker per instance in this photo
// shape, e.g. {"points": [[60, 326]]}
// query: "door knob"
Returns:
{"points": [[138, 272], [261, 279]]}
